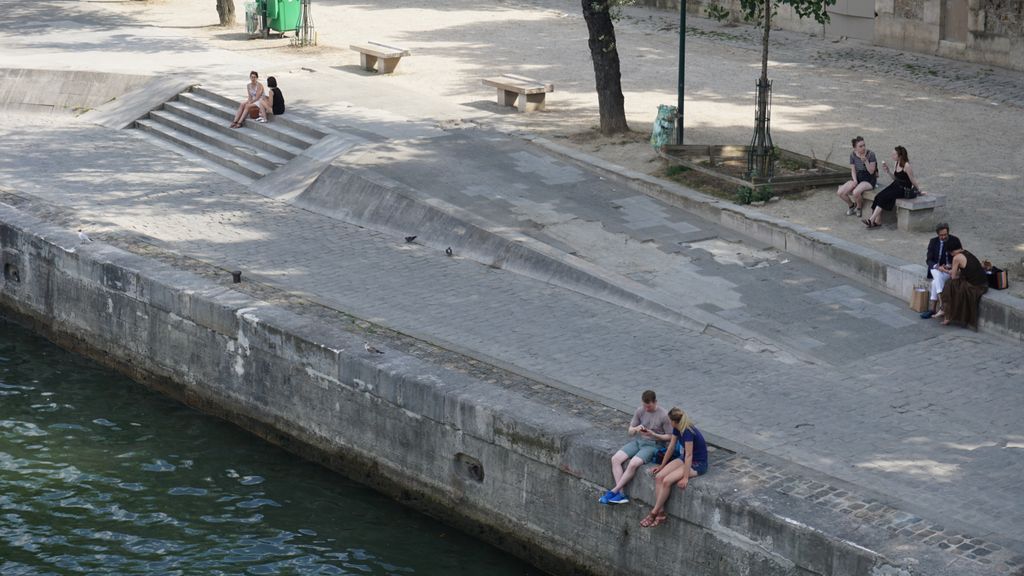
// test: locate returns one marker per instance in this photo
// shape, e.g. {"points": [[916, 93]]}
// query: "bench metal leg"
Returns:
{"points": [[367, 62], [388, 65], [506, 98], [531, 102]]}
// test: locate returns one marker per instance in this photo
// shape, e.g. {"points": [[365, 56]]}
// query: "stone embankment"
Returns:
{"points": [[520, 472]]}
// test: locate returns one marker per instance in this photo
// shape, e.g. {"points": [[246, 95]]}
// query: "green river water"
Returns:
{"points": [[99, 475]]}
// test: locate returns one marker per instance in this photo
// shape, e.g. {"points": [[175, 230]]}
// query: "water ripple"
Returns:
{"points": [[183, 494]]}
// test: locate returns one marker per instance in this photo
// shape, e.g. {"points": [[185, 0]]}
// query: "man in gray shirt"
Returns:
{"points": [[652, 425]]}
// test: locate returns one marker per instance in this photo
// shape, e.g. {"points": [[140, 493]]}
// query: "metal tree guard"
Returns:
{"points": [[760, 161], [307, 31]]}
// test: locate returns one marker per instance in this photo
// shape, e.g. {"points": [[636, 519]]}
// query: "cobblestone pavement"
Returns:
{"points": [[759, 476], [925, 416], [930, 421], [993, 84]]}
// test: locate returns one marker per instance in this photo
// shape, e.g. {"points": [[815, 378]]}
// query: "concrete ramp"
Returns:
{"points": [[366, 198], [63, 91], [124, 110]]}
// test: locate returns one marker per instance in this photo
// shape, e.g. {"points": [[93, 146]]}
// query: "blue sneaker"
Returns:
{"points": [[607, 497], [927, 314], [618, 498]]}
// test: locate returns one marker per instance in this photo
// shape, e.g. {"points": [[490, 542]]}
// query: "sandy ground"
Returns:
{"points": [[967, 147]]}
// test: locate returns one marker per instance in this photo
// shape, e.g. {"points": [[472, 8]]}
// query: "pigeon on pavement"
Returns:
{"points": [[448, 251], [409, 239], [371, 349]]}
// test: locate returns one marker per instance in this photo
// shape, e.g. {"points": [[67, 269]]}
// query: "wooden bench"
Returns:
{"points": [[919, 214], [528, 91], [371, 52]]}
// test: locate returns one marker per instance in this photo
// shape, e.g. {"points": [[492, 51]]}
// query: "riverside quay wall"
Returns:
{"points": [[520, 473]]}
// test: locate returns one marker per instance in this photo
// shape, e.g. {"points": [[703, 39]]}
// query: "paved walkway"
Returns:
{"points": [[925, 415], [883, 405]]}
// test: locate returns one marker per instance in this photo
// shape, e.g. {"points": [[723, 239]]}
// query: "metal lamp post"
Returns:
{"points": [[682, 71]]}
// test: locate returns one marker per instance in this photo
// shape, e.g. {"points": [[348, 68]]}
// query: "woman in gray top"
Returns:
{"points": [[863, 177]]}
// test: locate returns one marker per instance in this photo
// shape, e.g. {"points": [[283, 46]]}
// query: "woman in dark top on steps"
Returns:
{"points": [[962, 293], [903, 186]]}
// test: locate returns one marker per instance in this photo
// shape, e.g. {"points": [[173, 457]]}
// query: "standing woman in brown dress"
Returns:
{"points": [[962, 294]]}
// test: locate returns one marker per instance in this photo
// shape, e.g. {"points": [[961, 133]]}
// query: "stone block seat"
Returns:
{"points": [[919, 214], [529, 92], [372, 52]]}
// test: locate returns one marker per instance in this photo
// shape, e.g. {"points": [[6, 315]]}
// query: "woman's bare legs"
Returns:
{"points": [[264, 108], [844, 192], [858, 193], [667, 477], [876, 216], [240, 115]]}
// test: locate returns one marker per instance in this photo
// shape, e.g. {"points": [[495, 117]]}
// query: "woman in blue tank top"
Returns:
{"points": [[678, 471]]}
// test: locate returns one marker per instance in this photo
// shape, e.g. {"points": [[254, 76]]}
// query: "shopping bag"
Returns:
{"points": [[919, 299], [997, 279]]}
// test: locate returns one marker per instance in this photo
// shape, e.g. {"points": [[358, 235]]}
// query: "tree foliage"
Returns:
{"points": [[760, 12]]}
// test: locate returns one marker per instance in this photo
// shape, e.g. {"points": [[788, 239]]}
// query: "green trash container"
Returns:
{"points": [[283, 15]]}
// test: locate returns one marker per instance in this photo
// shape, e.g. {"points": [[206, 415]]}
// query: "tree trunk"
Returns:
{"points": [[226, 12], [606, 66], [760, 160]]}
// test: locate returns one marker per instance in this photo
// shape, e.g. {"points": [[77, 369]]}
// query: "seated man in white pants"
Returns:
{"points": [[938, 260]]}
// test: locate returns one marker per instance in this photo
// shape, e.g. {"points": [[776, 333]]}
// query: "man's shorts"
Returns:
{"points": [[641, 448], [701, 468]]}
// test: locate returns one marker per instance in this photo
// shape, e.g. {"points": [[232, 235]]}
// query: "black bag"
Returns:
{"points": [[911, 192], [997, 279]]}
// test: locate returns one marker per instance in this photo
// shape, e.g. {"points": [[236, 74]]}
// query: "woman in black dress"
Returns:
{"points": [[962, 293], [903, 186]]}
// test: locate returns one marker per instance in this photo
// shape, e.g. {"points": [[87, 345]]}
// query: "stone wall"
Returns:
{"points": [[523, 475], [994, 28], [62, 90]]}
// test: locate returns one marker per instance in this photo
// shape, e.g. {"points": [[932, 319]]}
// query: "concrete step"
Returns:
{"points": [[215, 139], [230, 160], [220, 125], [226, 111], [309, 131], [158, 140]]}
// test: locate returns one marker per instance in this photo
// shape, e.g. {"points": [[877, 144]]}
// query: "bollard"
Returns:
{"points": [[236, 276]]}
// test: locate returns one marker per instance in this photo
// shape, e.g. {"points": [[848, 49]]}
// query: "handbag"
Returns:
{"points": [[911, 191], [997, 279]]}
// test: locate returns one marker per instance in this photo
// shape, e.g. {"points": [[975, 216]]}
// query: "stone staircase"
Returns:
{"points": [[196, 125]]}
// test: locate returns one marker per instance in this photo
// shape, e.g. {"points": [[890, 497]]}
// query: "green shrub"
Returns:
{"points": [[716, 12]]}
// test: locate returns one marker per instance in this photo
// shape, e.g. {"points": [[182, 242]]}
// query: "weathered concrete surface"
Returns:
{"points": [[62, 90], [132, 105], [1001, 312], [524, 474]]}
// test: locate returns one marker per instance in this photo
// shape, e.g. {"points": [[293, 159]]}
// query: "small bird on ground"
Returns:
{"points": [[371, 349], [448, 251], [409, 239], [83, 236]]}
